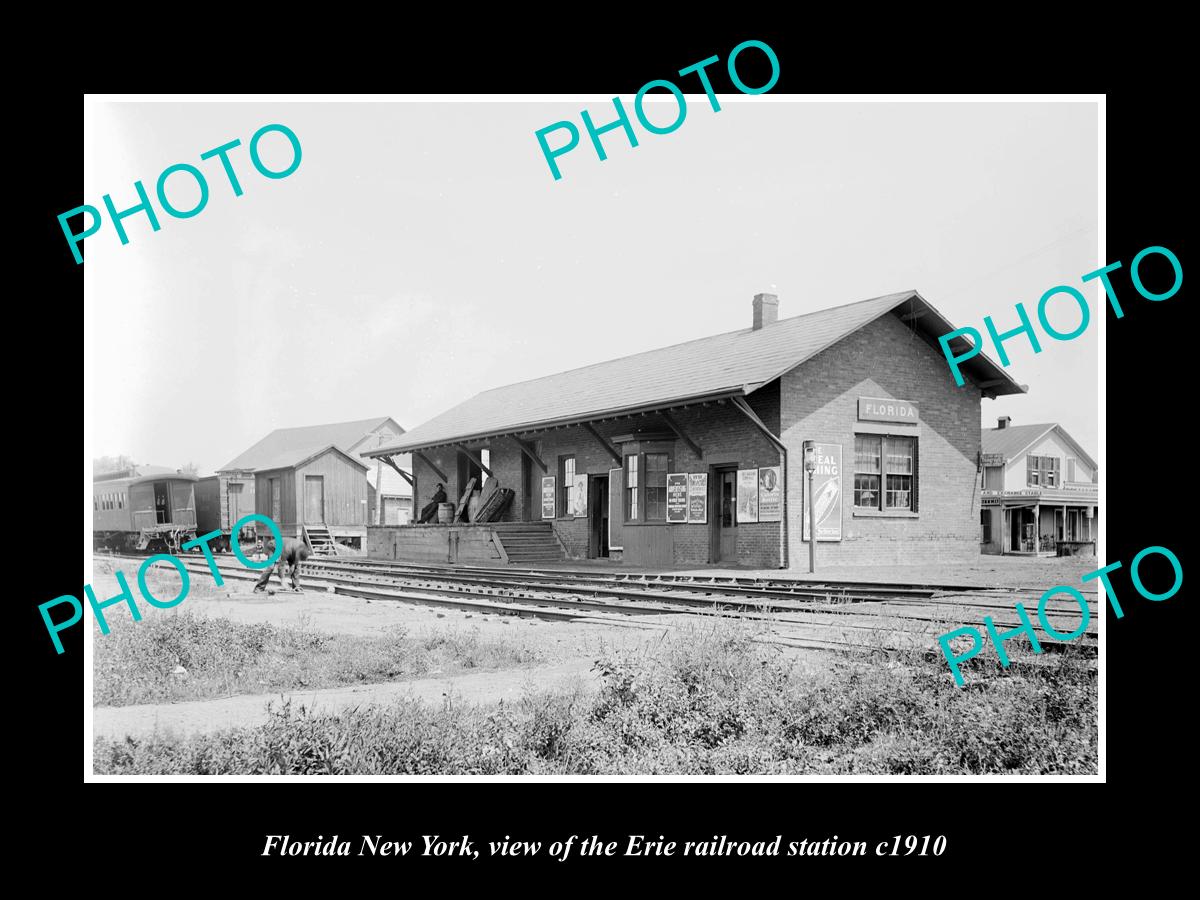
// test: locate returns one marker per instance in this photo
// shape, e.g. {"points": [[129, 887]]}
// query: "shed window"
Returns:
{"points": [[885, 472]]}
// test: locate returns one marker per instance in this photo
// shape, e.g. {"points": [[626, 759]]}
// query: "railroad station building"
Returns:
{"points": [[694, 454], [1040, 496]]}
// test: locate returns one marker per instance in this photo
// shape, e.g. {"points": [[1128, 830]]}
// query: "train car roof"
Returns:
{"points": [[141, 479]]}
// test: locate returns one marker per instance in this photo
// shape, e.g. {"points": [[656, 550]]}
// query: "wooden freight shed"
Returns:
{"points": [[320, 496], [237, 482], [694, 454]]}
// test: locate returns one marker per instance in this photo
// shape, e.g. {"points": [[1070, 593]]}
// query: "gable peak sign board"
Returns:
{"points": [[886, 409]]}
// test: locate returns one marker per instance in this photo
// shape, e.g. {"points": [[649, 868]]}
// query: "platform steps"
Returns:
{"points": [[529, 542], [319, 540]]}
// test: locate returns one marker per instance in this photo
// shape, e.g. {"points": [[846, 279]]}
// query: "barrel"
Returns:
{"points": [[445, 513]]}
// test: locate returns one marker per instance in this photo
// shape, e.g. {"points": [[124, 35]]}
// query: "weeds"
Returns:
{"points": [[222, 657], [708, 700]]}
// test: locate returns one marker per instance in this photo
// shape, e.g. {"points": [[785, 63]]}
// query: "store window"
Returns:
{"points": [[885, 472], [1043, 471], [985, 523]]}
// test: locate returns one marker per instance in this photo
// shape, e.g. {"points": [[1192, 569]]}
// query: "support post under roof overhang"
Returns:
{"points": [[475, 459], [741, 404], [429, 462], [612, 451], [527, 449], [403, 474]]}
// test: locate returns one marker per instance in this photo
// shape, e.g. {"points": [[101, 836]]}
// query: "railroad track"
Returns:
{"points": [[791, 612]]}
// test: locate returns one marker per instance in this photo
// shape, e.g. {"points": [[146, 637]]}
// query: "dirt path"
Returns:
{"points": [[115, 722]]}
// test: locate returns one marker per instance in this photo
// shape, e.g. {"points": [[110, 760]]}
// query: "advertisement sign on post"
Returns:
{"points": [[698, 498], [827, 493], [770, 495], [747, 495], [677, 497], [548, 496], [579, 497]]}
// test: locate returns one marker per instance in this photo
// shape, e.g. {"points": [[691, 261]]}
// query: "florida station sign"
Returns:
{"points": [[876, 409]]}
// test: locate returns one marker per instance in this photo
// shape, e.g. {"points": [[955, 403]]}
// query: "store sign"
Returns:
{"points": [[677, 497], [873, 409], [698, 498], [770, 495], [992, 459], [547, 496], [747, 496], [827, 494]]}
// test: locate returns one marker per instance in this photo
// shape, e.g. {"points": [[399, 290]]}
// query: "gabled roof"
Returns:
{"points": [[284, 444], [290, 460], [1014, 440], [730, 364]]}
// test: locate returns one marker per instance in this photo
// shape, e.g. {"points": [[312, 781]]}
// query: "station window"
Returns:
{"points": [[646, 485], [656, 487], [885, 472], [566, 484], [631, 488]]}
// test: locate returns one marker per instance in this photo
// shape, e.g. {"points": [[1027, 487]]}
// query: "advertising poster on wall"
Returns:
{"points": [[677, 497], [579, 497], [698, 498], [827, 493], [548, 496], [747, 495], [770, 495]]}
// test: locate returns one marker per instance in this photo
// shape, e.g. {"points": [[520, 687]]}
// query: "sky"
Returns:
{"points": [[422, 251]]}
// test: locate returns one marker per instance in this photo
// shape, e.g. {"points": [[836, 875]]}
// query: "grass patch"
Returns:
{"points": [[708, 700], [224, 657]]}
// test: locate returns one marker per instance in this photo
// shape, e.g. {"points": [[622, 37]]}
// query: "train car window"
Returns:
{"points": [[121, 500]]}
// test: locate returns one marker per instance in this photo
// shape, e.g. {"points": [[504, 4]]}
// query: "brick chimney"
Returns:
{"points": [[1003, 421], [766, 310]]}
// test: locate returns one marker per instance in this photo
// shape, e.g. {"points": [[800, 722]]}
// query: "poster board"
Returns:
{"points": [[579, 496], [697, 498], [677, 497], [548, 483], [827, 491], [770, 494], [747, 495]]}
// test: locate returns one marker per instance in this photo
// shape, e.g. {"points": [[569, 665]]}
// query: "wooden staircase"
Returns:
{"points": [[529, 543], [319, 540]]}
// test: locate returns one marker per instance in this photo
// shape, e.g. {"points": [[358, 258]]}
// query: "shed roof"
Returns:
{"points": [[1012, 441], [290, 459], [734, 363], [289, 446]]}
